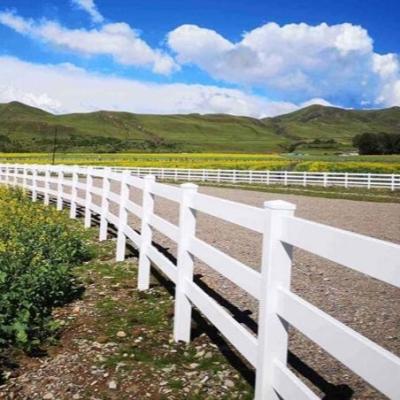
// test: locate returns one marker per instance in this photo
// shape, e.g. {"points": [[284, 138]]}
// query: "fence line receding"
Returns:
{"points": [[286, 178]]}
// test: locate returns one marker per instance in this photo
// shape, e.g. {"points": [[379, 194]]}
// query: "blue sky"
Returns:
{"points": [[254, 58]]}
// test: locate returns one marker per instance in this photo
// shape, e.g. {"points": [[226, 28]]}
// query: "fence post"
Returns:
{"points": [[369, 181], [74, 192], [346, 180], [25, 178], [123, 217], [275, 274], [285, 178], [267, 182], [10, 176], [187, 229], [46, 194], [105, 204], [15, 175], [7, 175], [392, 184], [325, 179], [146, 234], [88, 197], [305, 178], [34, 184], [60, 189]]}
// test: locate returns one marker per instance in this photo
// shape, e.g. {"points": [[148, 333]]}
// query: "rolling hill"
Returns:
{"points": [[25, 128]]}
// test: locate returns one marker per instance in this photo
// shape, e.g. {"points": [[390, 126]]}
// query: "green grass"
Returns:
{"points": [[30, 129]]}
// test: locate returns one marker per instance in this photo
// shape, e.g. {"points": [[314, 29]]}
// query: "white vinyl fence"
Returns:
{"points": [[279, 307], [325, 179]]}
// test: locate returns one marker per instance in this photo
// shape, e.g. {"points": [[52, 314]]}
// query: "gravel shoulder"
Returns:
{"points": [[365, 304]]}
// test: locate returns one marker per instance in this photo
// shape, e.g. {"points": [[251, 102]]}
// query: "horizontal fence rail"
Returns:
{"points": [[278, 306], [286, 178]]}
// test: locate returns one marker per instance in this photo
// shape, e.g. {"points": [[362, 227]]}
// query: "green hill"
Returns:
{"points": [[25, 128]]}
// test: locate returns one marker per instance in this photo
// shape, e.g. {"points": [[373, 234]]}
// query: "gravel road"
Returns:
{"points": [[368, 306]]}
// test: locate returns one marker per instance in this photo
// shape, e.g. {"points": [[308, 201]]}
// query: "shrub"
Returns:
{"points": [[377, 143], [38, 249]]}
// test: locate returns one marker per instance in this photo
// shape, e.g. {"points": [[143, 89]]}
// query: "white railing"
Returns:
{"points": [[325, 179], [278, 306]]}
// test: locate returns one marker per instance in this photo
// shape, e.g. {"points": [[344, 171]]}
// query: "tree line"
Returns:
{"points": [[377, 143]]}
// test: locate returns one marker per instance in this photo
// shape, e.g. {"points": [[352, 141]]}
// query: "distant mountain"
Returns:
{"points": [[314, 128]]}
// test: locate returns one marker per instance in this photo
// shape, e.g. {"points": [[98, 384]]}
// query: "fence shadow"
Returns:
{"points": [[201, 326]]}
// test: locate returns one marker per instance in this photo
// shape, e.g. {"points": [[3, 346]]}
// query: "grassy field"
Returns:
{"points": [[312, 129], [372, 164]]}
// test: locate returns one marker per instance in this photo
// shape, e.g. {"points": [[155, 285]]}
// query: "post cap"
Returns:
{"points": [[279, 205]]}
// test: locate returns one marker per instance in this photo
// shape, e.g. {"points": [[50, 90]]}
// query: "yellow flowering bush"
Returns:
{"points": [[358, 167], [38, 249], [241, 161]]}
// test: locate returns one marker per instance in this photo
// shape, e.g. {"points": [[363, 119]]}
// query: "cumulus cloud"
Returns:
{"points": [[299, 61], [117, 40], [296, 62], [90, 7], [66, 88]]}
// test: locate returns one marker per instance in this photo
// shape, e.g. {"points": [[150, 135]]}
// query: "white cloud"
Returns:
{"points": [[66, 88], [387, 65], [296, 61], [16, 22], [327, 63], [318, 101], [42, 100], [90, 7], [117, 40]]}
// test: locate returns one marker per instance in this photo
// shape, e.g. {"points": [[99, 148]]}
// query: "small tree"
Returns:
{"points": [[367, 143]]}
